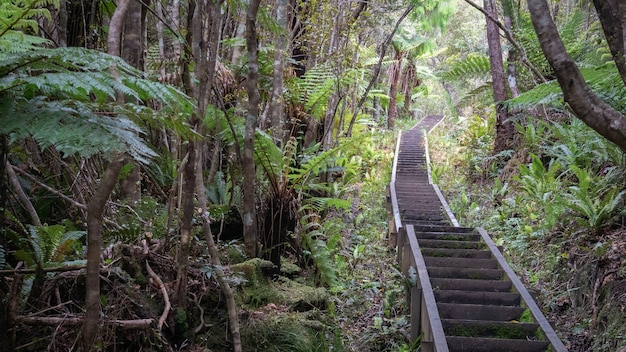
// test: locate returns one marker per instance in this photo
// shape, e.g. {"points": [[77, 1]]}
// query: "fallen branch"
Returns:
{"points": [[156, 280], [56, 269], [135, 324]]}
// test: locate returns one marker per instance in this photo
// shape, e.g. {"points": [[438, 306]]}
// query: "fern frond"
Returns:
{"points": [[481, 95], [603, 80], [473, 66]]}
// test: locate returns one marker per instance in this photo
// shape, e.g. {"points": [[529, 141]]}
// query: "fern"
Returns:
{"points": [[604, 81], [473, 66], [591, 201], [64, 98], [17, 17]]}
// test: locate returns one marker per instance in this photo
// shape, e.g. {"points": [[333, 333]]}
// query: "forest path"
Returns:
{"points": [[465, 297]]}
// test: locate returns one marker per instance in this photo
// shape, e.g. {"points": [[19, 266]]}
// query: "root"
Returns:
{"points": [[156, 280]]}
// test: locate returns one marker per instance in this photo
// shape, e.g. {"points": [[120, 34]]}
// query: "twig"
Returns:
{"points": [[159, 283], [21, 195], [51, 190]]}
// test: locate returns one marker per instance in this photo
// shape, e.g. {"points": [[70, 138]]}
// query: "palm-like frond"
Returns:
{"points": [[65, 98], [473, 66], [604, 80]]}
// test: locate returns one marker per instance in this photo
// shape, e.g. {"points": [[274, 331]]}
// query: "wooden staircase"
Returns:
{"points": [[466, 297]]}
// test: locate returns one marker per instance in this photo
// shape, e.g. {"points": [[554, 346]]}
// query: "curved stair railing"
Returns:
{"points": [[464, 296]]}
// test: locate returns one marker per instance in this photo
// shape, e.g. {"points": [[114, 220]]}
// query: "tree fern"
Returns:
{"points": [[65, 98]]}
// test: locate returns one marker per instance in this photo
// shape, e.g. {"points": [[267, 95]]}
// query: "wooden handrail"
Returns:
{"points": [[557, 344], [392, 187], [434, 320]]}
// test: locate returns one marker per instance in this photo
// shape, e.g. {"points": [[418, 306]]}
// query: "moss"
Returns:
{"points": [[258, 290], [289, 269], [284, 331]]}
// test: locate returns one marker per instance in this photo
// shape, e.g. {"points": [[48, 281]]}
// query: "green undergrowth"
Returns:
{"points": [[556, 205]]}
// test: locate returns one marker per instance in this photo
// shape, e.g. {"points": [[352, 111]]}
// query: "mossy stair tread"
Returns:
{"points": [[437, 243], [479, 312], [489, 328], [457, 253], [465, 273], [470, 284], [461, 262], [485, 344], [478, 297]]}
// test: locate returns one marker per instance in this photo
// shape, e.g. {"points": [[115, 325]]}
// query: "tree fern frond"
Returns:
{"points": [[481, 95], [603, 80], [473, 66]]}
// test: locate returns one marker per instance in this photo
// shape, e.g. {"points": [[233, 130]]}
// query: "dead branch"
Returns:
{"points": [[58, 269], [135, 324], [51, 190], [21, 195], [156, 280]]}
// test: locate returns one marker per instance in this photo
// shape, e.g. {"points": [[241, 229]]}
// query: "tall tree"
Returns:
{"points": [[504, 129], [585, 104], [250, 230]]}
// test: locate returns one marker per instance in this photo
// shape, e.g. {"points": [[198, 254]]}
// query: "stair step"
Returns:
{"points": [[457, 253], [487, 328], [470, 285], [434, 243], [479, 312], [461, 262], [465, 273], [450, 229], [478, 297], [484, 344]]}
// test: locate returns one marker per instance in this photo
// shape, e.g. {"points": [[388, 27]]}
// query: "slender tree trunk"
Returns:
{"points": [[511, 69], [62, 28], [394, 80], [95, 208], [95, 211], [276, 103], [504, 129], [250, 230], [377, 68], [133, 52], [233, 316], [600, 116]]}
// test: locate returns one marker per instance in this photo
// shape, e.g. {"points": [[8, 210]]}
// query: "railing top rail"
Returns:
{"points": [[392, 186], [557, 344], [439, 337]]}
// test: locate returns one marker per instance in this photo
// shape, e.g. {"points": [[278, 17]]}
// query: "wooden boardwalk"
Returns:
{"points": [[465, 297]]}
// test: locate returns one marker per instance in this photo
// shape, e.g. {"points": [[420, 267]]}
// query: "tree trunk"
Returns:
{"points": [[233, 316], [95, 208], [612, 15], [394, 80], [250, 231], [377, 68], [276, 102], [607, 121], [511, 68], [504, 130], [95, 211]]}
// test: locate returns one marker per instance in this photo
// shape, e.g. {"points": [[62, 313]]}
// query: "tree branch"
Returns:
{"points": [[509, 36], [159, 283]]}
